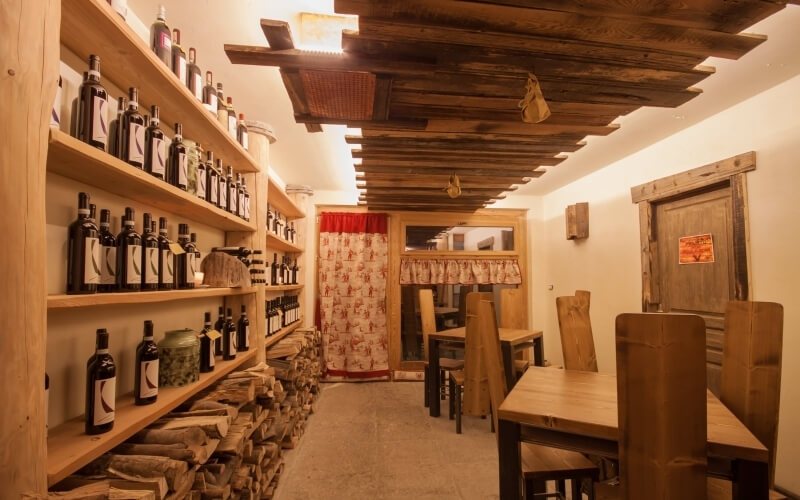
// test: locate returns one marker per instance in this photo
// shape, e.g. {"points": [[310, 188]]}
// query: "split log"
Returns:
{"points": [[214, 427], [188, 436], [175, 451], [102, 490], [182, 490], [119, 480], [207, 404], [174, 471]]}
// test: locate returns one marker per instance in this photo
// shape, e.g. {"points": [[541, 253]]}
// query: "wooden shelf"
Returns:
{"points": [[106, 299], [69, 448], [272, 339], [77, 160], [276, 243], [279, 200], [280, 288], [92, 27]]}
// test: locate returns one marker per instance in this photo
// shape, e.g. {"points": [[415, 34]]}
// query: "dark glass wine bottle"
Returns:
{"points": [[92, 122], [233, 195], [241, 132], [178, 56], [207, 360], [129, 255], [83, 252], [240, 195], [210, 94], [243, 331], [270, 218], [178, 163], [223, 186], [220, 327], [149, 256], [294, 272], [212, 185], [186, 261], [160, 38], [101, 381], [193, 243], [222, 108], [145, 382], [273, 276], [155, 156], [108, 254], [132, 132], [46, 402], [166, 259], [231, 119], [229, 338], [246, 200], [194, 77], [201, 177], [113, 128]]}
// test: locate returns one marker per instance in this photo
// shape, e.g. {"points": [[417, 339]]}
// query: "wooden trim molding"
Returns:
{"points": [[728, 172]]}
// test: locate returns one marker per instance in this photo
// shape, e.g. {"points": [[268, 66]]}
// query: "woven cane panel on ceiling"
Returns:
{"points": [[342, 95]]}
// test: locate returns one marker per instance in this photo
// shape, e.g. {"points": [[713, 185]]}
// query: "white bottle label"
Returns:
{"points": [[151, 270], [166, 266], [201, 184], [214, 192], [121, 7], [247, 207], [245, 144], [247, 337], [241, 205], [232, 125], [232, 342], [182, 169], [182, 69], [134, 261], [166, 41], [136, 143], [212, 105], [198, 87], [159, 154], [233, 196], [105, 391], [99, 119], [148, 379], [91, 262], [211, 360], [190, 263], [223, 193], [108, 269], [55, 113]]}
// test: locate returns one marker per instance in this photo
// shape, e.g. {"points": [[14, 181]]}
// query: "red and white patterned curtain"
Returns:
{"points": [[459, 271], [353, 266]]}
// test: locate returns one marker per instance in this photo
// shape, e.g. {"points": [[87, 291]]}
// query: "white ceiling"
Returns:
{"points": [[323, 161]]}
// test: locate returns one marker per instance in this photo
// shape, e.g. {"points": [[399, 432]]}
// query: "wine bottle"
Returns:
{"points": [[92, 123], [194, 77], [212, 184], [120, 6], [113, 128], [294, 272], [207, 360], [145, 382], [243, 331], [132, 131], [222, 108], [46, 402], [229, 338], [55, 112], [241, 132], [185, 262], [210, 94], [160, 39], [101, 381], [149, 256], [231, 127], [240, 196], [166, 259], [178, 163], [83, 252], [108, 254], [155, 156], [129, 255], [223, 186], [273, 276], [193, 240], [246, 195], [269, 218], [178, 56], [233, 195], [220, 327], [200, 176]]}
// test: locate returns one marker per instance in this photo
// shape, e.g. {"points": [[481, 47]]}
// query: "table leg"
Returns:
{"points": [[508, 363], [508, 434], [538, 351], [434, 381], [751, 480]]}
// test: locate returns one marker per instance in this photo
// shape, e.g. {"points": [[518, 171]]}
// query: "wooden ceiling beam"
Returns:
{"points": [[441, 179], [510, 115], [522, 145], [277, 33], [554, 138], [477, 191], [515, 173], [373, 124], [508, 128], [426, 182], [458, 161], [485, 148]]}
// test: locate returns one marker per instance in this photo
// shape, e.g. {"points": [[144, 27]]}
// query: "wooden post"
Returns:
{"points": [[28, 80]]}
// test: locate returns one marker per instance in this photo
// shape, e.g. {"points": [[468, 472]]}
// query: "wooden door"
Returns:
{"points": [[694, 238]]}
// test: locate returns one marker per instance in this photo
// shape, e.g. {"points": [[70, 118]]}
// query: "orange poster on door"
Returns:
{"points": [[695, 249]]}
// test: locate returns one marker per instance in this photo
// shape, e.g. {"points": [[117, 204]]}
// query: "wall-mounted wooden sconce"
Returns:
{"points": [[577, 217]]}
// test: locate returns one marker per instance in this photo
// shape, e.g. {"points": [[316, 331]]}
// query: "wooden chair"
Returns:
{"points": [[661, 397], [461, 319], [577, 341], [429, 326], [751, 376], [471, 381], [539, 463], [512, 315]]}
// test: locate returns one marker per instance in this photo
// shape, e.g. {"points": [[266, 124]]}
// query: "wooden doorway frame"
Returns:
{"points": [[730, 171]]}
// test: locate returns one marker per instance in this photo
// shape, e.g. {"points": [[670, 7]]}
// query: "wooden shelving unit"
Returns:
{"points": [[280, 201], [77, 160], [127, 61], [106, 299], [278, 243], [282, 288], [69, 448], [272, 339]]}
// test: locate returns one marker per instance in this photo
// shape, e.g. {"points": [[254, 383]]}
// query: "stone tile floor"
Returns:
{"points": [[376, 441]]}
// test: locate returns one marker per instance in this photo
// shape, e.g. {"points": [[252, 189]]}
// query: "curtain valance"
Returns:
{"points": [[418, 271]]}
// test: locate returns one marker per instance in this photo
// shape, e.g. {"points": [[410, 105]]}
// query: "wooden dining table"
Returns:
{"points": [[577, 410], [510, 339]]}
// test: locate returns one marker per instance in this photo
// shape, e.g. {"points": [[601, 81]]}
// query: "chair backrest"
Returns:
{"points": [[492, 356], [464, 290], [751, 368], [427, 317], [476, 389], [512, 308], [661, 394], [577, 342]]}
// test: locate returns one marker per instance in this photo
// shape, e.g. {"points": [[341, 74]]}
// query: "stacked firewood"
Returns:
{"points": [[226, 443]]}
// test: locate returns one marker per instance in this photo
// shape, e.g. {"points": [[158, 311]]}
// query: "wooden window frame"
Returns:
{"points": [[728, 172]]}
